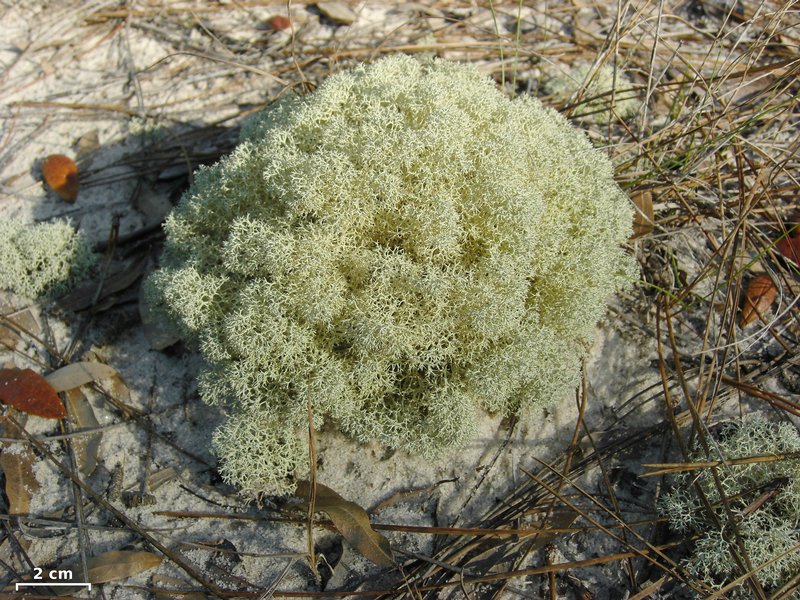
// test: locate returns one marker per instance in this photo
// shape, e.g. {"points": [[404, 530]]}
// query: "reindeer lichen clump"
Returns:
{"points": [[763, 497], [42, 259], [401, 249]]}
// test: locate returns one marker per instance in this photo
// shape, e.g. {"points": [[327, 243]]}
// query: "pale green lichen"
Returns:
{"points": [[600, 90], [402, 248], [769, 530], [41, 259]]}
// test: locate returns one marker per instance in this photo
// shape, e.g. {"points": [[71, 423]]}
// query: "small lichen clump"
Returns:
{"points": [[602, 90], [400, 249], [41, 259], [769, 528]]}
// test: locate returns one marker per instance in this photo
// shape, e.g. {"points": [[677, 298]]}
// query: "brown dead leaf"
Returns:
{"points": [[352, 522], [82, 416], [16, 462], [77, 374], [643, 218], [119, 564], [758, 298], [61, 174], [789, 247], [29, 392], [109, 566]]}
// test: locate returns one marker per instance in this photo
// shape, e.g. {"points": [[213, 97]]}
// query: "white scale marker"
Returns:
{"points": [[88, 586]]}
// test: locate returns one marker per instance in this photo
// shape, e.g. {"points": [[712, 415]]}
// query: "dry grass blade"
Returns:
{"points": [[672, 468]]}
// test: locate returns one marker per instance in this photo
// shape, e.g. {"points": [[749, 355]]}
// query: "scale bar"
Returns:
{"points": [[88, 586]]}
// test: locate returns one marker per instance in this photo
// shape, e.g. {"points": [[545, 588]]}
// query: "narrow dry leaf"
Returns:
{"points": [[758, 298], [16, 462], [352, 522], [88, 446], [61, 174], [78, 374], [31, 393], [119, 564], [643, 217]]}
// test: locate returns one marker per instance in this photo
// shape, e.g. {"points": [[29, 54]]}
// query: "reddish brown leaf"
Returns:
{"points": [[279, 22], [758, 298], [789, 247], [61, 174], [29, 392]]}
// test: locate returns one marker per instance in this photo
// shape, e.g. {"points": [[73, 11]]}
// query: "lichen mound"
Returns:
{"points": [[41, 259], [401, 249]]}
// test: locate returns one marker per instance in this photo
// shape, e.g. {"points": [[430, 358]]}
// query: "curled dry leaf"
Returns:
{"points": [[61, 174], [352, 522], [758, 298], [31, 393]]}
